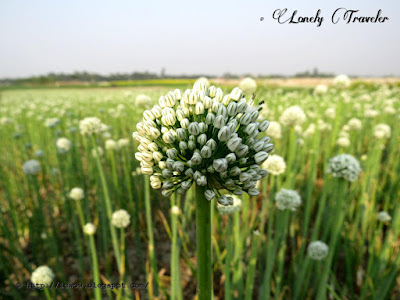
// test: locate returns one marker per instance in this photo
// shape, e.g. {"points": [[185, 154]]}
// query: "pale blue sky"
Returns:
{"points": [[210, 37]]}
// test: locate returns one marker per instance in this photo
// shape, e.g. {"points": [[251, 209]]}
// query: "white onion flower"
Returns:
{"points": [[341, 81], [354, 124], [122, 143], [248, 85], [76, 194], [42, 275], [330, 113], [287, 199], [63, 145], [310, 131], [200, 136], [323, 126], [99, 151], [91, 125], [51, 122], [371, 113], [143, 101], [343, 141], [6, 120], [39, 153], [344, 166], [89, 229], [205, 80], [175, 210], [317, 250], [274, 130], [383, 216], [275, 165], [390, 110], [110, 144], [293, 116], [31, 167], [121, 218], [382, 131], [320, 89]]}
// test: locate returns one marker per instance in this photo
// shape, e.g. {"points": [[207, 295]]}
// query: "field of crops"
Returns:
{"points": [[79, 210]]}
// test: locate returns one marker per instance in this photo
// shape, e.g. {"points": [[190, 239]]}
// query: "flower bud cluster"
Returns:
{"points": [[344, 166], [205, 137]]}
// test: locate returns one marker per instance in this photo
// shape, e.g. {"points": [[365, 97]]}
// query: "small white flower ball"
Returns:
{"points": [[320, 89], [344, 166], [89, 229], [31, 167], [99, 150], [110, 144], [274, 130], [122, 143], [248, 85], [143, 101], [310, 131], [76, 194], [175, 210], [205, 80], [287, 199], [90, 125], [343, 142], [121, 218], [51, 122], [63, 145], [275, 165], [318, 250], [383, 216], [43, 275], [341, 81], [354, 124], [293, 116], [382, 131], [330, 113]]}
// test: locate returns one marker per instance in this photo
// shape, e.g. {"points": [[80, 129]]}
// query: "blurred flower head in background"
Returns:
{"points": [[318, 250], [344, 166], [42, 275], [31, 167], [287, 199]]}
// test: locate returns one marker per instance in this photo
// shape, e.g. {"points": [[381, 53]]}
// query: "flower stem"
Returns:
{"points": [[150, 233], [96, 274], [203, 234], [108, 204], [47, 293]]}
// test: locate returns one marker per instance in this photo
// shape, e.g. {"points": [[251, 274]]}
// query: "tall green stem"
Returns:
{"points": [[150, 234], [96, 274], [203, 235], [108, 204]]}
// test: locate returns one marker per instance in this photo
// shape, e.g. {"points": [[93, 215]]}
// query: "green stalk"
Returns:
{"points": [[228, 258], [291, 157], [114, 175], [47, 293], [203, 236], [150, 234], [108, 204], [96, 275], [252, 267], [122, 266], [176, 291], [339, 214]]}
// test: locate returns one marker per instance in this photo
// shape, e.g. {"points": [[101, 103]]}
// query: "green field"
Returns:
{"points": [[258, 251]]}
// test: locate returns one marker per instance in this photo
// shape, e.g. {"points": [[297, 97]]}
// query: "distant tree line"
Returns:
{"points": [[84, 76]]}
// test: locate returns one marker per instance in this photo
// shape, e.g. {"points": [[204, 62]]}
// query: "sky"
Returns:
{"points": [[194, 37]]}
